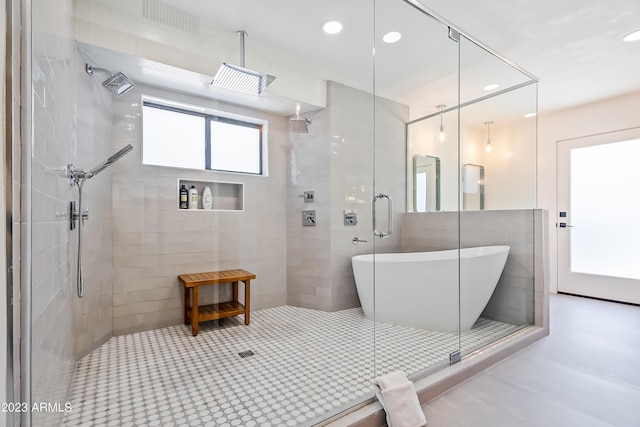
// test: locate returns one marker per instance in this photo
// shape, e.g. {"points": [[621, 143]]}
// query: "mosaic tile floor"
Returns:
{"points": [[305, 365]]}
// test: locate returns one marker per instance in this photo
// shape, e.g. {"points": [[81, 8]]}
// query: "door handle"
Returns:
{"points": [[382, 234]]}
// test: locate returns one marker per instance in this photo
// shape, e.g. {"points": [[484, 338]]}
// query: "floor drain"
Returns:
{"points": [[246, 353]]}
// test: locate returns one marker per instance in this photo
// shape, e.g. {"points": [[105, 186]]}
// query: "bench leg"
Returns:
{"points": [[235, 291], [247, 301], [194, 313], [187, 302]]}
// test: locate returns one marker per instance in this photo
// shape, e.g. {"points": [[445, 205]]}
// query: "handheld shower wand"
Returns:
{"points": [[78, 177]]}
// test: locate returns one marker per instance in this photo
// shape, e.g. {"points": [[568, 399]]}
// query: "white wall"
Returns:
{"points": [[510, 168], [599, 117]]}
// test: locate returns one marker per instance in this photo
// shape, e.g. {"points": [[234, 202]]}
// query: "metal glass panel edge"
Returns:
{"points": [[440, 19], [8, 393], [26, 243], [474, 101]]}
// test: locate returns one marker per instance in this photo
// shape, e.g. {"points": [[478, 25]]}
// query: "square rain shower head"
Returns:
{"points": [[241, 79], [118, 84]]}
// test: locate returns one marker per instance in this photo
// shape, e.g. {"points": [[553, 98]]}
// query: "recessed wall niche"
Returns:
{"points": [[226, 196]]}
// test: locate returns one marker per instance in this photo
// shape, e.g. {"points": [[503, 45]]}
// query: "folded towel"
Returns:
{"points": [[399, 400]]}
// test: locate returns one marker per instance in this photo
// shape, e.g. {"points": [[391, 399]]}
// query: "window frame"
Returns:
{"points": [[208, 118]]}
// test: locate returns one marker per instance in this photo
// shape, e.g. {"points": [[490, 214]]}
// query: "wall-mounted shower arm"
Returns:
{"points": [[90, 69]]}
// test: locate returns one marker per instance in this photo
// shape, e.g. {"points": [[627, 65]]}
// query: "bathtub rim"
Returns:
{"points": [[469, 252]]}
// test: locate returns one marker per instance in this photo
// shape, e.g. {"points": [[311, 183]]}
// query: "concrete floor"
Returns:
{"points": [[585, 373]]}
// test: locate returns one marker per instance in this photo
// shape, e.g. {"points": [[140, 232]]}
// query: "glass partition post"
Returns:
{"points": [[416, 132]]}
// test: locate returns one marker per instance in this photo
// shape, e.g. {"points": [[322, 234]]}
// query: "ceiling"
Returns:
{"points": [[573, 47]]}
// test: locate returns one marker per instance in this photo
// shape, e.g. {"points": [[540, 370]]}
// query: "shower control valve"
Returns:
{"points": [[309, 218], [74, 216], [308, 196], [350, 217]]}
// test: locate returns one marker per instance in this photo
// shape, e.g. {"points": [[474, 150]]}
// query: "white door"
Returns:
{"points": [[598, 222]]}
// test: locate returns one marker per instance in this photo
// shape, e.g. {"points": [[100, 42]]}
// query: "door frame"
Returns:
{"points": [[626, 290]]}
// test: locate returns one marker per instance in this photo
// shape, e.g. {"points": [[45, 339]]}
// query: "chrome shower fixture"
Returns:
{"points": [[78, 215], [299, 124], [118, 84], [111, 160], [239, 78]]}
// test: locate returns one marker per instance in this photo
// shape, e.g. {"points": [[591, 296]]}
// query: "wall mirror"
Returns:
{"points": [[472, 187], [426, 183]]}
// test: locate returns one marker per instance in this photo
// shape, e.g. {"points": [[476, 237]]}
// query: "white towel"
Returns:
{"points": [[399, 400]]}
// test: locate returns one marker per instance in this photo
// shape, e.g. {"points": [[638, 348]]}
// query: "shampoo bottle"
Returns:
{"points": [[184, 197], [193, 197], [207, 199]]}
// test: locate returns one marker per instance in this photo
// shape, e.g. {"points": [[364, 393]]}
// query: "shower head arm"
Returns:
{"points": [[242, 34], [90, 69]]}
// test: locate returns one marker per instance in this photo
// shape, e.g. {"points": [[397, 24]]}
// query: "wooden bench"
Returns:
{"points": [[195, 314]]}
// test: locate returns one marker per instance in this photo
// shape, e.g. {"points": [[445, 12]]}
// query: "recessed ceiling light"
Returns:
{"points": [[632, 37], [332, 27], [530, 115], [391, 37], [491, 86]]}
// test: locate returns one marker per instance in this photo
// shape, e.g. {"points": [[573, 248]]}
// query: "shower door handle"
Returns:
{"points": [[382, 234]]}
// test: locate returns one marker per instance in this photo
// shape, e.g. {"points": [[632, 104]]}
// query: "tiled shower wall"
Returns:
{"points": [[524, 230], [154, 241], [71, 124], [337, 160]]}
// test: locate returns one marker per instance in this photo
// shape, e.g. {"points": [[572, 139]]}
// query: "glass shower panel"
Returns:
{"points": [[307, 352], [498, 169], [415, 305]]}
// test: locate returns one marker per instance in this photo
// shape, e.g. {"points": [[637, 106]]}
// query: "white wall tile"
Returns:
{"points": [[155, 241]]}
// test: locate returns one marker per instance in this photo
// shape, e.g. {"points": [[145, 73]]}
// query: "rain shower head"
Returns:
{"points": [[300, 125], [111, 160], [118, 84], [239, 78]]}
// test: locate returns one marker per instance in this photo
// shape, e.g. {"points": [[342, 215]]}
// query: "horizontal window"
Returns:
{"points": [[192, 139]]}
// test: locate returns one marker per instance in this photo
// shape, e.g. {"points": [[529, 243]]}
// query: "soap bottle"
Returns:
{"points": [[184, 197], [193, 197], [207, 199]]}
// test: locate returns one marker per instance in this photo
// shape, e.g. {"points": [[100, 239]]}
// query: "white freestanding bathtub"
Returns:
{"points": [[420, 289]]}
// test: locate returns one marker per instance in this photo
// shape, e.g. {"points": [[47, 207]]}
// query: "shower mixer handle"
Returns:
{"points": [[74, 215]]}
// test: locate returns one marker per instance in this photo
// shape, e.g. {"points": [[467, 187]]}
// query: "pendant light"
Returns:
{"points": [[441, 134], [488, 147]]}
